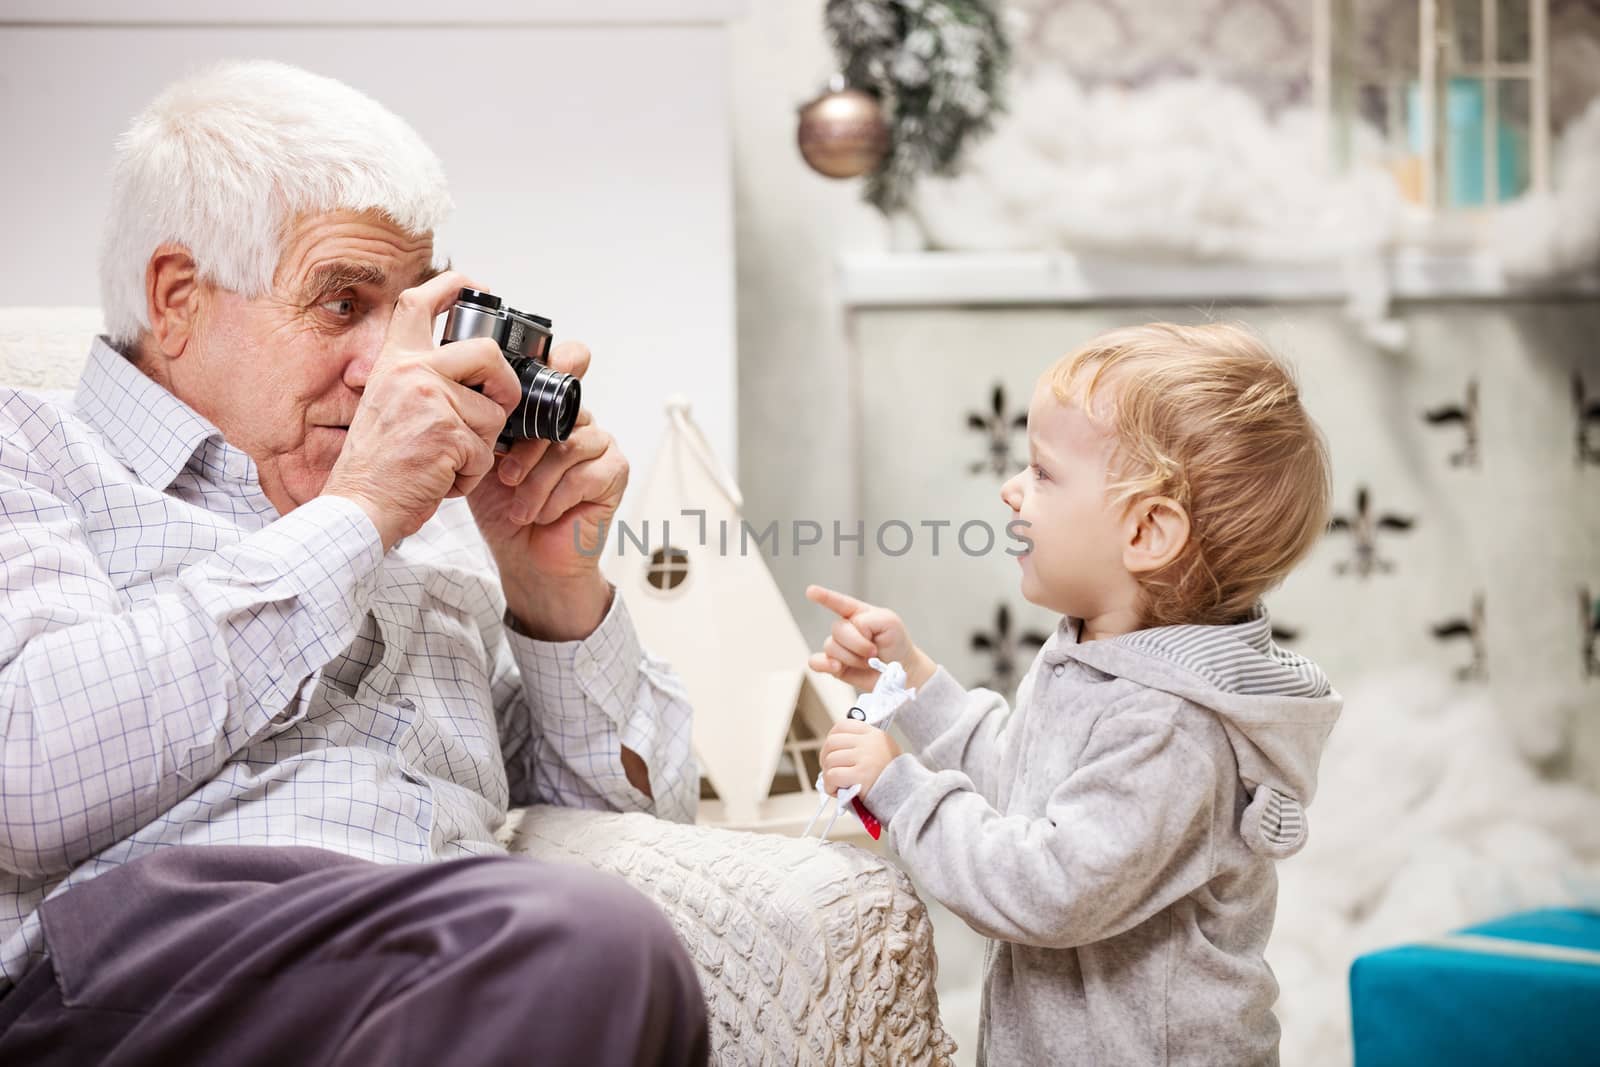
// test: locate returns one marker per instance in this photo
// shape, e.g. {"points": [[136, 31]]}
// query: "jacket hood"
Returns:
{"points": [[1276, 706]]}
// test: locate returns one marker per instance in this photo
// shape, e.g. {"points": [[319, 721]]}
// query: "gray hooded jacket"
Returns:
{"points": [[1114, 837]]}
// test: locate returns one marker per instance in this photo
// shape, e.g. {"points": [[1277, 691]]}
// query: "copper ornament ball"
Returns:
{"points": [[843, 134]]}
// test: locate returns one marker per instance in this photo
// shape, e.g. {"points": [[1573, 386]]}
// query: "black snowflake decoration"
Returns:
{"points": [[1470, 628], [1005, 650], [1589, 631], [1464, 415], [998, 427], [1365, 527], [1587, 414]]}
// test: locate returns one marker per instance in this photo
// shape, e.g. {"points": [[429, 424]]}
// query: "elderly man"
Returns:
{"points": [[280, 628]]}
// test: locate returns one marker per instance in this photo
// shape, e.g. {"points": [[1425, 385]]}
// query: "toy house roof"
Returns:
{"points": [[721, 620]]}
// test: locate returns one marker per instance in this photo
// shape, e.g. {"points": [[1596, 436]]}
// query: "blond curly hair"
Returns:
{"points": [[1207, 416]]}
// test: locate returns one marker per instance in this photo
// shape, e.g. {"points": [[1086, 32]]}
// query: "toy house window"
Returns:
{"points": [[801, 761], [798, 767], [669, 568]]}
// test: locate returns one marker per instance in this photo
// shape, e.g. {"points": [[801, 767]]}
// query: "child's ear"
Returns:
{"points": [[1156, 530]]}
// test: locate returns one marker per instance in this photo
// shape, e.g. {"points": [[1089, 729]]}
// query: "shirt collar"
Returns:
{"points": [[154, 433]]}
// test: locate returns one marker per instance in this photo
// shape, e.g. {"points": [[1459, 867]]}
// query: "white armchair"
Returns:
{"points": [[808, 953]]}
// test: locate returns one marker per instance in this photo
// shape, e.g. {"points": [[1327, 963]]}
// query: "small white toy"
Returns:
{"points": [[877, 709]]}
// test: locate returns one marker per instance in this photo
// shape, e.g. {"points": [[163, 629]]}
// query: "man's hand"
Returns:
{"points": [[544, 501], [861, 632], [421, 432], [855, 754]]}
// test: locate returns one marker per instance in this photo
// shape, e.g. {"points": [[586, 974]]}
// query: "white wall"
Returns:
{"points": [[792, 225], [587, 143]]}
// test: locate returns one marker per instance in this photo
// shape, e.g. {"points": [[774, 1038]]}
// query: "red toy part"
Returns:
{"points": [[869, 820]]}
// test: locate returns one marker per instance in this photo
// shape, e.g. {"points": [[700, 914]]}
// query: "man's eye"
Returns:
{"points": [[341, 306]]}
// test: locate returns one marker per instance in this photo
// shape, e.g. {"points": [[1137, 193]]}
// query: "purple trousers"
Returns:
{"points": [[241, 955]]}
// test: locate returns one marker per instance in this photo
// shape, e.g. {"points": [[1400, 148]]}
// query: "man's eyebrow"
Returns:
{"points": [[429, 273], [341, 274]]}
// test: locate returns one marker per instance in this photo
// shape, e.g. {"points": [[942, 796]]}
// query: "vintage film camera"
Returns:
{"points": [[549, 405]]}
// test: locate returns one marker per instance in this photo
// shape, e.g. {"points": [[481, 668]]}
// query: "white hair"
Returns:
{"points": [[223, 162]]}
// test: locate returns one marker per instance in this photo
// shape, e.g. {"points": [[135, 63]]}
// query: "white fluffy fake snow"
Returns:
{"points": [[1426, 820], [1187, 167], [1197, 168], [1558, 232]]}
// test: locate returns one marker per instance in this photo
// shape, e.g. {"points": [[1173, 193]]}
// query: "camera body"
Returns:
{"points": [[550, 399]]}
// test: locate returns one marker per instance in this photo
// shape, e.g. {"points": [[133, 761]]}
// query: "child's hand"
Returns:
{"points": [[862, 632], [855, 754]]}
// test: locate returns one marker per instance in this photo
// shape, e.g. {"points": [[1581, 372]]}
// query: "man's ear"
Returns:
{"points": [[172, 293], [1155, 531]]}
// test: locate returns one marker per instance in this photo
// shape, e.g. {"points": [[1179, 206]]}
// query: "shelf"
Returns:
{"points": [[890, 279]]}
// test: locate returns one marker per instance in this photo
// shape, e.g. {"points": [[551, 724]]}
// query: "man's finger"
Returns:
{"points": [[836, 602], [521, 458], [540, 483], [414, 312], [524, 456], [598, 480], [479, 460], [482, 415], [570, 357], [477, 361]]}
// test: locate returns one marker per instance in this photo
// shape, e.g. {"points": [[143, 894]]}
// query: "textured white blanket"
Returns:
{"points": [[809, 952], [45, 348]]}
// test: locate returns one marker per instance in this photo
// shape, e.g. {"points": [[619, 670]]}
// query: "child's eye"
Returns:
{"points": [[1039, 473]]}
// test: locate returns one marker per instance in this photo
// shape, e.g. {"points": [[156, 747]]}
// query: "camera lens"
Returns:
{"points": [[549, 406]]}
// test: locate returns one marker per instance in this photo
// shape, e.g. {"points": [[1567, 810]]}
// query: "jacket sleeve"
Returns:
{"points": [[1127, 834], [958, 729]]}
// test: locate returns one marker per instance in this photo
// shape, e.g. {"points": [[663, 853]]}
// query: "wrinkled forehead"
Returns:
{"points": [[343, 249]]}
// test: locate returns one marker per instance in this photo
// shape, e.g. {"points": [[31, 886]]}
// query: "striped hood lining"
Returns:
{"points": [[1276, 706], [1241, 658]]}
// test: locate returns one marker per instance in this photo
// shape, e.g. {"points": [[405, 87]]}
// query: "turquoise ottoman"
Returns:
{"points": [[1520, 990]]}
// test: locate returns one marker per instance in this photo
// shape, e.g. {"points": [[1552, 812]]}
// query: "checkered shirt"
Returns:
{"points": [[179, 664]]}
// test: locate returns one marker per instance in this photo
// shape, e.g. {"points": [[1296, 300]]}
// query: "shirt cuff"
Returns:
{"points": [[938, 704], [603, 666]]}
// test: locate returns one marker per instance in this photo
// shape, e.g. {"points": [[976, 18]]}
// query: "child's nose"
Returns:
{"points": [[1011, 493]]}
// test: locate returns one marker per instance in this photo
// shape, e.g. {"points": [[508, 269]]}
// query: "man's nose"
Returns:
{"points": [[363, 345], [359, 369]]}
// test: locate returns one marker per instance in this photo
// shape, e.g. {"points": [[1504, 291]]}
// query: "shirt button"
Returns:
{"points": [[1059, 669]]}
